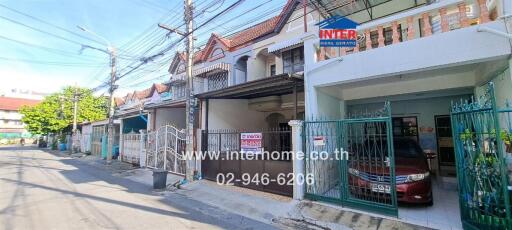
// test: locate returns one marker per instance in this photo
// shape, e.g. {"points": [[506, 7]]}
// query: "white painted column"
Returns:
{"points": [[298, 159], [309, 61], [142, 153], [121, 141]]}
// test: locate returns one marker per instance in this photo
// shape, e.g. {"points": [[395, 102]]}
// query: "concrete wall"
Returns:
{"points": [[236, 114], [233, 114], [328, 106], [502, 85], [172, 116]]}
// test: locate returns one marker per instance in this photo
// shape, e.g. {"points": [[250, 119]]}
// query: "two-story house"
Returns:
{"points": [[432, 61], [250, 85]]}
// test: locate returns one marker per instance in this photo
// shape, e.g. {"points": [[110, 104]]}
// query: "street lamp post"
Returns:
{"points": [[112, 52]]}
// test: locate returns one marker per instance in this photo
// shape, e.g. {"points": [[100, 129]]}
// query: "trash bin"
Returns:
{"points": [[159, 179]]}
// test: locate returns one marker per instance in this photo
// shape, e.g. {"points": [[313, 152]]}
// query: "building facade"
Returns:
{"points": [[11, 126], [417, 69]]}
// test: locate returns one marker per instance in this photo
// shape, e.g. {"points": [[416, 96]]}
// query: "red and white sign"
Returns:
{"points": [[318, 141], [251, 142]]}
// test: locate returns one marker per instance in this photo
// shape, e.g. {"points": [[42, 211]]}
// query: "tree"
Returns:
{"points": [[55, 112]]}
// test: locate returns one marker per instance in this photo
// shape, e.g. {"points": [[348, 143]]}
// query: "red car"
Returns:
{"points": [[369, 176]]}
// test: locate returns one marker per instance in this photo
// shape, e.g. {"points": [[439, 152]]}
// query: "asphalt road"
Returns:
{"points": [[39, 190]]}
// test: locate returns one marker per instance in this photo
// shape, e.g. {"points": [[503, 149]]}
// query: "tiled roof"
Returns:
{"points": [[160, 88], [248, 35], [243, 37], [119, 101], [143, 94], [14, 104]]}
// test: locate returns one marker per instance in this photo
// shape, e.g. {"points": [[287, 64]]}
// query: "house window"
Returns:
{"points": [[293, 60], [272, 69], [179, 91], [218, 81], [406, 127]]}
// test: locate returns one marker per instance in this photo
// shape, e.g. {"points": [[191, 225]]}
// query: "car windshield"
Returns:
{"points": [[405, 148]]}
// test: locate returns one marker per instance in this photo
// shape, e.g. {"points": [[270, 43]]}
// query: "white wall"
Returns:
{"points": [[233, 114], [173, 116], [329, 107]]}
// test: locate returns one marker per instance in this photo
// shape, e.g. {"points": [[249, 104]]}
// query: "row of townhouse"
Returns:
{"points": [[428, 75]]}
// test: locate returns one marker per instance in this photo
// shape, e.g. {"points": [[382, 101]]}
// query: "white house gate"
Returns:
{"points": [[164, 149]]}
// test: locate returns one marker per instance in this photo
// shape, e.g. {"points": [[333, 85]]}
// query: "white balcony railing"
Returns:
{"points": [[425, 21]]}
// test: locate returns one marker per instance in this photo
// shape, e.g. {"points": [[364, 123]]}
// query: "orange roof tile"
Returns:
{"points": [[14, 104]]}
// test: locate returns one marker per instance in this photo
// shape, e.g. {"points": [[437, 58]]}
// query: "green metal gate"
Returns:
{"points": [[352, 161], [481, 135]]}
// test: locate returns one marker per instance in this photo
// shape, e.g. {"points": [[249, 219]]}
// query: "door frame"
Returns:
{"points": [[437, 144]]}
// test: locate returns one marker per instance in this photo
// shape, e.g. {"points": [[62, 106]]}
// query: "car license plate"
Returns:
{"points": [[382, 188]]}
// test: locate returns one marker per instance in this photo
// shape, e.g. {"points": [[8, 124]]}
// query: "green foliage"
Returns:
{"points": [[506, 137], [55, 112], [466, 135]]}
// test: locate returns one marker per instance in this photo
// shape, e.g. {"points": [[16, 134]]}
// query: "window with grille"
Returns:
{"points": [[293, 60], [217, 81]]}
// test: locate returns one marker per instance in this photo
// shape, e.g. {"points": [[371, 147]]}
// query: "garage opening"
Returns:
{"points": [[427, 191]]}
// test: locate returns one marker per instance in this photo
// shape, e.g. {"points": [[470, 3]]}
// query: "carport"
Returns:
{"points": [[265, 106]]}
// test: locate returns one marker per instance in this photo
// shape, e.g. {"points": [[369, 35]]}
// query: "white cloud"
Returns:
{"points": [[23, 77]]}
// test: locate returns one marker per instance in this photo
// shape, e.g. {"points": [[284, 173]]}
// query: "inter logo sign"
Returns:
{"points": [[338, 32]]}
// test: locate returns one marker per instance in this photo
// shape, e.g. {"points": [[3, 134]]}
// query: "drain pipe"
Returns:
{"points": [[493, 31], [497, 32]]}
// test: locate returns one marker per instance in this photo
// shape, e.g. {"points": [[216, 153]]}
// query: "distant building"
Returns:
{"points": [[23, 93], [11, 125]]}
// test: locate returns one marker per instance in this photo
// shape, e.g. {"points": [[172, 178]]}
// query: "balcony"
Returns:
{"points": [[449, 36], [426, 21]]}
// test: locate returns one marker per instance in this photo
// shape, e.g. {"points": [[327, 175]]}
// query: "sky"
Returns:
{"points": [[40, 43]]}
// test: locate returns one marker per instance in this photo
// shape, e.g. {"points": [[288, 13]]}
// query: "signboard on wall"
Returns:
{"points": [[251, 142], [337, 31]]}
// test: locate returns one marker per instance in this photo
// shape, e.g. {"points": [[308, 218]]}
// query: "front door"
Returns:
{"points": [[445, 150]]}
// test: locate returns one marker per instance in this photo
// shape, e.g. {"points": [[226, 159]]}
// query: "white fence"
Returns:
{"points": [[132, 148]]}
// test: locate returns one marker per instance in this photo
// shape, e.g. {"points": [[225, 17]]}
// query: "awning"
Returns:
{"points": [[269, 86], [215, 67], [180, 103], [285, 44]]}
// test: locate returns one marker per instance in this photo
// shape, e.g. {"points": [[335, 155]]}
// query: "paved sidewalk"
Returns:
{"points": [[277, 210]]}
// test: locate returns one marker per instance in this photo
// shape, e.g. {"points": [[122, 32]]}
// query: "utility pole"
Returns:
{"points": [[75, 109], [113, 87], [111, 50], [189, 16], [190, 101]]}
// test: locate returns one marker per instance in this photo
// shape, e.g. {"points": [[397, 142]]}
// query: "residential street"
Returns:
{"points": [[39, 190]]}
